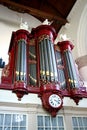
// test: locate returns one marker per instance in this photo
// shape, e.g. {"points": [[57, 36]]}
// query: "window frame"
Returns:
{"points": [[12, 114], [78, 126], [57, 128]]}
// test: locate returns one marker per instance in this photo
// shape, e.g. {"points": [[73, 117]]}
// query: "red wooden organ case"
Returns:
{"points": [[36, 65]]}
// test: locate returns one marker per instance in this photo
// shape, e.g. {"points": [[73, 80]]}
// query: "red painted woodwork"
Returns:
{"points": [[75, 93], [64, 45], [20, 87], [44, 89], [45, 30]]}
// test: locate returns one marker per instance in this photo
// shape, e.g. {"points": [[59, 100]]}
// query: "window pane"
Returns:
{"points": [[60, 121], [14, 128], [76, 129], [1, 119], [81, 128], [74, 121], [8, 119], [6, 128], [61, 128], [14, 120], [47, 128], [85, 121], [22, 128], [54, 129], [40, 121], [22, 120], [0, 128], [40, 128], [54, 121], [47, 120], [80, 121]]}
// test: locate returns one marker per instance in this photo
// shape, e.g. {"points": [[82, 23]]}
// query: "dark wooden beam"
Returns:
{"points": [[32, 11]]}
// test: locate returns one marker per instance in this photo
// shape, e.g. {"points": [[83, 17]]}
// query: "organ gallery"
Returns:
{"points": [[36, 65]]}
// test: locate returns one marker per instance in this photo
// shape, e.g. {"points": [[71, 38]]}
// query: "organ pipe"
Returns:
{"points": [[32, 64], [54, 63], [70, 70], [21, 61], [51, 71], [60, 67], [47, 73], [20, 74], [42, 62], [48, 68]]}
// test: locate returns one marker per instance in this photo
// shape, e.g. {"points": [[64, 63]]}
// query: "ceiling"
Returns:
{"points": [[53, 10]]}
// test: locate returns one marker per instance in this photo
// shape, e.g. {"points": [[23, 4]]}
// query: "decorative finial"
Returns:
{"points": [[46, 22], [23, 25], [63, 37]]}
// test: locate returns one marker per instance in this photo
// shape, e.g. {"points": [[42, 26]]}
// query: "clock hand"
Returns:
{"points": [[58, 101]]}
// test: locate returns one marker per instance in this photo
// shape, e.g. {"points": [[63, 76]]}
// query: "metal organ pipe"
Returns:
{"points": [[54, 62], [32, 64], [21, 61], [20, 74], [48, 69], [60, 67], [51, 71], [47, 73], [71, 75], [42, 62]]}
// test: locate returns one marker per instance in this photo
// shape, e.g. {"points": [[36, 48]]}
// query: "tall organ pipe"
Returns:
{"points": [[45, 36], [60, 67], [21, 55], [54, 62], [51, 71], [46, 60], [69, 68], [42, 62], [20, 71], [71, 75], [75, 77], [21, 61]]}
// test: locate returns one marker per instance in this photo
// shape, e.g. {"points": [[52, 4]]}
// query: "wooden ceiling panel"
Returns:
{"points": [[54, 10], [62, 6]]}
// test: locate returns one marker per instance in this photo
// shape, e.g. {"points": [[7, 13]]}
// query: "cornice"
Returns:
{"points": [[35, 108]]}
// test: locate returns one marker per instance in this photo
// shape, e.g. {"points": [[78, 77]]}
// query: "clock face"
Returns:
{"points": [[55, 101]]}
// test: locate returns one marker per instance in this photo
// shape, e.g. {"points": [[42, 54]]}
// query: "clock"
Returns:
{"points": [[55, 101]]}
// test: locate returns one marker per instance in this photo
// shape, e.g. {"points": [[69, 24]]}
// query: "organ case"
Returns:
{"points": [[38, 66]]}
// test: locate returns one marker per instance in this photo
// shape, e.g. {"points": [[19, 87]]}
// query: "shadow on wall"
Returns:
{"points": [[82, 66]]}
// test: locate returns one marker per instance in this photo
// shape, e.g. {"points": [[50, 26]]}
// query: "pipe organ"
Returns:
{"points": [[38, 66]]}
